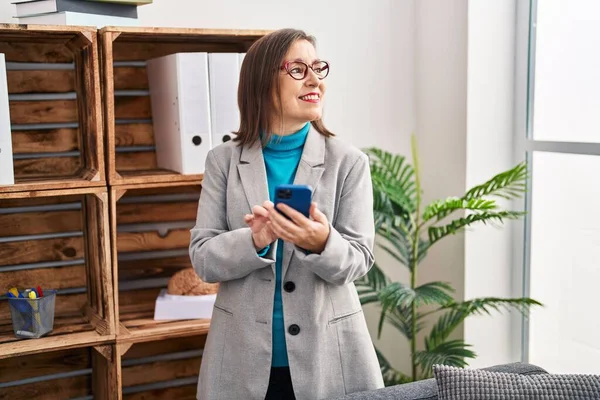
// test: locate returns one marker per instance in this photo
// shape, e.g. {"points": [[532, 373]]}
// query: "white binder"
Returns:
{"points": [[224, 73], [179, 95], [7, 175]]}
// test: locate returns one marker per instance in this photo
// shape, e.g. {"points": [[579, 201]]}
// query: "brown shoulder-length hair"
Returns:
{"points": [[258, 78]]}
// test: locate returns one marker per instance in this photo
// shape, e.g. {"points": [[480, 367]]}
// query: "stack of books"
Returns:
{"points": [[97, 13]]}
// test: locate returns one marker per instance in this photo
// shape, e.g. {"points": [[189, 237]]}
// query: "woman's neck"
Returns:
{"points": [[287, 128]]}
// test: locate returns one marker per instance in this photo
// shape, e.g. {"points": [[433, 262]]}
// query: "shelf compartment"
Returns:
{"points": [[84, 372], [58, 239], [131, 156], [165, 369], [54, 103], [151, 233]]}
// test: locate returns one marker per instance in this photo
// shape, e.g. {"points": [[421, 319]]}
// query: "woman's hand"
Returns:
{"points": [[307, 233], [262, 234]]}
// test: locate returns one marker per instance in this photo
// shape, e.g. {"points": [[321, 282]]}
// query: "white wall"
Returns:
{"points": [[441, 107], [488, 251]]}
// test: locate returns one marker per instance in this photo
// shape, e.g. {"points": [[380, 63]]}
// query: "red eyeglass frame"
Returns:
{"points": [[284, 67]]}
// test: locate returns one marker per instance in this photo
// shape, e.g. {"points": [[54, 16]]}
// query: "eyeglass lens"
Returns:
{"points": [[298, 70]]}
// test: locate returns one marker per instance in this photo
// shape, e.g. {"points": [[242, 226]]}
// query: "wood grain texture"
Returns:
{"points": [[160, 371], [135, 302], [43, 111], [37, 365], [156, 212], [33, 223], [106, 379], [147, 329], [49, 183], [156, 188], [45, 140], [31, 251], [48, 52], [153, 268], [165, 346], [64, 388], [87, 79], [47, 167], [41, 81], [131, 78], [134, 135], [145, 50], [133, 107], [66, 335], [187, 392], [136, 161], [152, 241], [55, 278]]}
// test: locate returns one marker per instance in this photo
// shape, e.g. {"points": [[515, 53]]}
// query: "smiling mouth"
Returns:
{"points": [[312, 98]]}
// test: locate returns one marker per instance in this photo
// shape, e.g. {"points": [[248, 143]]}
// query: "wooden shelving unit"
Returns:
{"points": [[92, 215], [54, 108], [128, 116]]}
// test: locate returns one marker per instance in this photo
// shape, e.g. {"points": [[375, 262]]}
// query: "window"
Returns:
{"points": [[562, 144]]}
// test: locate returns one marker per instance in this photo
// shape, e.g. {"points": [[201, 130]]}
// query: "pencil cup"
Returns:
{"points": [[33, 318]]}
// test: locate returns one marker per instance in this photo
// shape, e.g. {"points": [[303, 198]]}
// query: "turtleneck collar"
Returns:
{"points": [[289, 142]]}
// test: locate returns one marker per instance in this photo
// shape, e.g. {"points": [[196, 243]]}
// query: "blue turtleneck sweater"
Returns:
{"points": [[282, 156]]}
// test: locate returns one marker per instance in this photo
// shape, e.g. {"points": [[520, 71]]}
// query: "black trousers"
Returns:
{"points": [[280, 385]]}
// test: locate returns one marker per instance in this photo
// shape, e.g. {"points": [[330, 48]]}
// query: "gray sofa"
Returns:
{"points": [[427, 389]]}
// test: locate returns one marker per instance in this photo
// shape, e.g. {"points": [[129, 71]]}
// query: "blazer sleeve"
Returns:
{"points": [[348, 253], [217, 253]]}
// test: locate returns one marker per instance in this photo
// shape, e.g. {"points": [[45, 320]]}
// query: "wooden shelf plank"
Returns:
{"points": [[54, 342], [147, 329]]}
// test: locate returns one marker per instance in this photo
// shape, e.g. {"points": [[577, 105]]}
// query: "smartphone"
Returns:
{"points": [[298, 197]]}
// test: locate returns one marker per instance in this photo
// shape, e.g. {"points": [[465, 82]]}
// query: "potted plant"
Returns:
{"points": [[409, 229]]}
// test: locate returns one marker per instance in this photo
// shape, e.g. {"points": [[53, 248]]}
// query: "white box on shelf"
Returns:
{"points": [[174, 307], [179, 95], [7, 175], [224, 75]]}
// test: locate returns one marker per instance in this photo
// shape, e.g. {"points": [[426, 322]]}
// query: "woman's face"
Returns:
{"points": [[302, 99]]}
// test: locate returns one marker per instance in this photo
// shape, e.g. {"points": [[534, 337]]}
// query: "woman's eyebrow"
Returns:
{"points": [[302, 60]]}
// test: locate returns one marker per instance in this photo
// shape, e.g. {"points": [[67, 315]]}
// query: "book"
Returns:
{"points": [[35, 7], [131, 2], [80, 19]]}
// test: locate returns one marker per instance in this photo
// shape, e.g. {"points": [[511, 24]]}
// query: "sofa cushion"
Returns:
{"points": [[426, 389], [473, 384]]}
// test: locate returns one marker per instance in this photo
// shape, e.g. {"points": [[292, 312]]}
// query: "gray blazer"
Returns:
{"points": [[332, 353]]}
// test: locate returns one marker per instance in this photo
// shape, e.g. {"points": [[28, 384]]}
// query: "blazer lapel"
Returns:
{"points": [[309, 172], [253, 175]]}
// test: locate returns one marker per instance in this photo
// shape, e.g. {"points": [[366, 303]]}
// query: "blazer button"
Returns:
{"points": [[294, 329], [289, 286]]}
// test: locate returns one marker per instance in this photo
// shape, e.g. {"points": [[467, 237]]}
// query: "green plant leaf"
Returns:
{"points": [[391, 376], [401, 319], [393, 180], [437, 233], [452, 353], [369, 285], [440, 209], [457, 312], [397, 294], [508, 184]]}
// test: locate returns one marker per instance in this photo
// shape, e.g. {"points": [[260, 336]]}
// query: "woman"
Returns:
{"points": [[287, 322]]}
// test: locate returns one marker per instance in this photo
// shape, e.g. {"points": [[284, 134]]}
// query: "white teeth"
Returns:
{"points": [[310, 97]]}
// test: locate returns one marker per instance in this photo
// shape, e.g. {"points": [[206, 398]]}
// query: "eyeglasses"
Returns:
{"points": [[298, 69]]}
